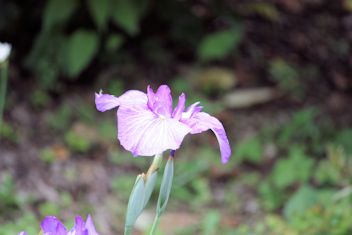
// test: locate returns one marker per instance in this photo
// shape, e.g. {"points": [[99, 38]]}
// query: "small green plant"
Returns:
{"points": [[8, 198], [77, 142], [220, 44], [287, 77], [285, 171], [250, 150]]}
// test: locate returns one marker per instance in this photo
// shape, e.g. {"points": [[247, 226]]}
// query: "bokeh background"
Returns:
{"points": [[277, 73]]}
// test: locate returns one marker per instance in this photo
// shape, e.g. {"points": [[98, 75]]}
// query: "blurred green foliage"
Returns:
{"points": [[25, 222], [8, 198], [250, 150], [219, 44], [76, 34], [77, 142]]}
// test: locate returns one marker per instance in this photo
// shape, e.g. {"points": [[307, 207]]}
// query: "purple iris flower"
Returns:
{"points": [[148, 125], [52, 226]]}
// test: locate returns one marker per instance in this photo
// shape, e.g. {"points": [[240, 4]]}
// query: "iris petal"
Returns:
{"points": [[51, 225], [202, 122], [144, 133], [90, 226], [180, 107], [79, 227], [106, 102], [161, 101]]}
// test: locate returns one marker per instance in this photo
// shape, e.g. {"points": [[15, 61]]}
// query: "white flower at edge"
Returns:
{"points": [[5, 50]]}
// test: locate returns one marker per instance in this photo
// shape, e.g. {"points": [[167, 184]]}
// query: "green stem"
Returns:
{"points": [[3, 85], [155, 224], [128, 230]]}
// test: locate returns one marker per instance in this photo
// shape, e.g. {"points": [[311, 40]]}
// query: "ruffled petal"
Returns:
{"points": [[191, 111], [106, 102], [177, 113], [161, 101], [144, 133], [201, 122], [51, 225]]}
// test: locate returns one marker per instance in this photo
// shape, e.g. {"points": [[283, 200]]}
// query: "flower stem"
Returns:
{"points": [[155, 224], [3, 85], [128, 230]]}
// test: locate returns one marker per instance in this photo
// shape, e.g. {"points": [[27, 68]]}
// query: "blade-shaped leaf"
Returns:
{"points": [[57, 12], [136, 202], [166, 185], [81, 48], [127, 14], [220, 44], [149, 187], [100, 10]]}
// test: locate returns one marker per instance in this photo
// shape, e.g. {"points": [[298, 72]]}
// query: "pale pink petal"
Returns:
{"points": [[106, 102], [161, 101], [144, 133], [151, 97], [201, 122], [133, 97], [22, 233], [180, 107]]}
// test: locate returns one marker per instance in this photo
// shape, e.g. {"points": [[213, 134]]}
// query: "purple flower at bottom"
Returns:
{"points": [[148, 125], [53, 226]]}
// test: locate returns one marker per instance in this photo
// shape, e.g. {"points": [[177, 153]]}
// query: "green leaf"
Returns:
{"points": [[271, 197], [81, 48], [100, 10], [114, 42], [49, 208], [77, 142], [127, 14], [301, 200], [343, 138], [149, 187], [219, 44], [57, 12], [166, 185], [327, 173], [287, 76], [211, 223], [249, 149], [296, 168], [135, 202]]}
